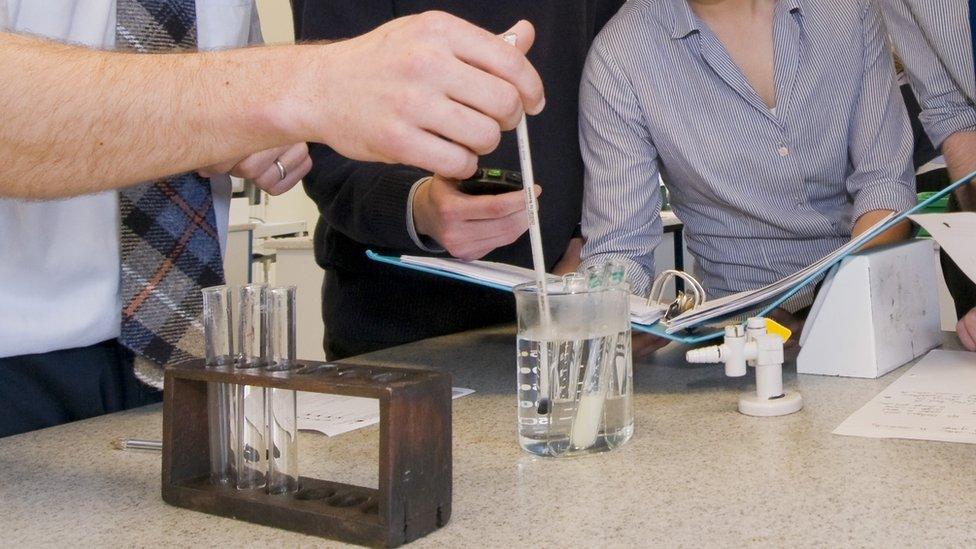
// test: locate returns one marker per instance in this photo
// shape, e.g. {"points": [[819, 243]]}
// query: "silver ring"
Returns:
{"points": [[282, 172]]}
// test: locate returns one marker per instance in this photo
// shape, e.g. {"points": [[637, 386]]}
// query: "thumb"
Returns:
{"points": [[525, 34]]}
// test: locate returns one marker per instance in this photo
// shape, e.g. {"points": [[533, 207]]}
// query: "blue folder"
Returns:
{"points": [[708, 332]]}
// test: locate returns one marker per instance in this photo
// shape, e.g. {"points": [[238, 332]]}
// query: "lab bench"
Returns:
{"points": [[697, 473]]}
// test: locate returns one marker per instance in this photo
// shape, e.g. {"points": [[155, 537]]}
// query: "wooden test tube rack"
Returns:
{"points": [[414, 494]]}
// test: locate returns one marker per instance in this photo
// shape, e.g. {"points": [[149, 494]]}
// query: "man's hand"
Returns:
{"points": [[792, 323], [428, 90], [966, 328], [468, 226], [644, 344], [261, 168]]}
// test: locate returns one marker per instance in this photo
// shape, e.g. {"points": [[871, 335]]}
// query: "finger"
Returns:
{"points": [[967, 335], [642, 350], [462, 125], [290, 160], [480, 48], [293, 178], [471, 252], [524, 33], [500, 232], [487, 207], [495, 206], [484, 93], [433, 153], [257, 164], [219, 168], [293, 160], [473, 239], [644, 342]]}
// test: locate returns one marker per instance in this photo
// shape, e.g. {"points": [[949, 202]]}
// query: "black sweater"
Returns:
{"points": [[366, 305]]}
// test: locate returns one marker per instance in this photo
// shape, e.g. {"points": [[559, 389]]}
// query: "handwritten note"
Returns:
{"points": [[334, 414], [934, 400]]}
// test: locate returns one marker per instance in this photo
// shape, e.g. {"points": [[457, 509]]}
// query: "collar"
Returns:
{"points": [[684, 21]]}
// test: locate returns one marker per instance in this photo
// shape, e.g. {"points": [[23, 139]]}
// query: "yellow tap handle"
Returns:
{"points": [[773, 327]]}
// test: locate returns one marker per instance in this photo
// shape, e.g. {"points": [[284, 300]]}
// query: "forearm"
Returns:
{"points": [[899, 232], [429, 90], [78, 120], [960, 154]]}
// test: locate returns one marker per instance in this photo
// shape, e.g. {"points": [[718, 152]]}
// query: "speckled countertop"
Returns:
{"points": [[696, 474]]}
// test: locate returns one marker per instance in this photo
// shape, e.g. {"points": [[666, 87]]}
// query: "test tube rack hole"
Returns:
{"points": [[414, 493]]}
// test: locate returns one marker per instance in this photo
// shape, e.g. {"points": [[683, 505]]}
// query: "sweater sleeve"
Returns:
{"points": [[367, 202]]}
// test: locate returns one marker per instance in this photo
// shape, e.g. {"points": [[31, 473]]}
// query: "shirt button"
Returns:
{"points": [[783, 150]]}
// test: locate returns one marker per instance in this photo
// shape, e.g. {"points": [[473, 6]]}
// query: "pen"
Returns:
{"points": [[138, 444]]}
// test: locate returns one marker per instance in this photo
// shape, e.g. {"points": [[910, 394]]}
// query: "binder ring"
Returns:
{"points": [[693, 297]]}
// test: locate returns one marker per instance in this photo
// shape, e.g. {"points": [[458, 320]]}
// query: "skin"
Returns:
{"points": [[470, 227], [428, 90], [260, 167], [966, 329], [570, 261], [960, 154]]}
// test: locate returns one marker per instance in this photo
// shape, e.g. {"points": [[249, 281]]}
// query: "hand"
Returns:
{"points": [[428, 90], [261, 168], [468, 226], [793, 323], [966, 328], [644, 344], [570, 261]]}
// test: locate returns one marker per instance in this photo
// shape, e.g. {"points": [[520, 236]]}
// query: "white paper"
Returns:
{"points": [[511, 276], [335, 414], [956, 233], [934, 400]]}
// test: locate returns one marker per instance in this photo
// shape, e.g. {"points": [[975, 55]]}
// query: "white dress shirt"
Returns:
{"points": [[59, 259]]}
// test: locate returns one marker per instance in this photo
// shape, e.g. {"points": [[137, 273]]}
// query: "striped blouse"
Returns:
{"points": [[762, 192], [934, 40]]}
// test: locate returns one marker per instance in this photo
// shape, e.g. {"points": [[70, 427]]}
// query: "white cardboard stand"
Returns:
{"points": [[878, 310]]}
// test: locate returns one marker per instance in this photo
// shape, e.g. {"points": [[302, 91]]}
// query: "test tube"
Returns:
{"points": [[574, 282], [252, 338], [253, 326], [282, 410], [219, 351], [594, 277], [614, 273]]}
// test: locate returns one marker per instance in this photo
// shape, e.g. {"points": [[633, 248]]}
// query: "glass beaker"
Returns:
{"points": [[574, 368]]}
